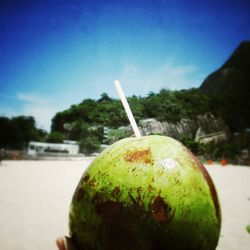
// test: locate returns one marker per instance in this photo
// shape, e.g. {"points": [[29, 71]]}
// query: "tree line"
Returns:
{"points": [[16, 132], [87, 121], [166, 105]]}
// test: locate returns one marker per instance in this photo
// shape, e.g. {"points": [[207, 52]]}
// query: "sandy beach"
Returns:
{"points": [[35, 198]]}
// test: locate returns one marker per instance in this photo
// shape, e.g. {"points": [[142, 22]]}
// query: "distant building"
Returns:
{"points": [[42, 148]]}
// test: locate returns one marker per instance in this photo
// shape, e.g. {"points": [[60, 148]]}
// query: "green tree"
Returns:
{"points": [[105, 98], [196, 148], [89, 145], [117, 134], [7, 136], [16, 132], [55, 137]]}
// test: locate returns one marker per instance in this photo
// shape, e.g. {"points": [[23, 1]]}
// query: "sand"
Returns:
{"points": [[35, 198]]}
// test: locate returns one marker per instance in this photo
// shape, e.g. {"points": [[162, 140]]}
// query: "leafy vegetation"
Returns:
{"points": [[94, 122], [87, 121], [108, 112], [16, 132], [89, 145], [117, 134]]}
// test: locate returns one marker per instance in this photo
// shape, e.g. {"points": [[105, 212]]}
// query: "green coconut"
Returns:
{"points": [[147, 193]]}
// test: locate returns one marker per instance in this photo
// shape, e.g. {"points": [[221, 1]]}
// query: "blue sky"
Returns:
{"points": [[56, 53]]}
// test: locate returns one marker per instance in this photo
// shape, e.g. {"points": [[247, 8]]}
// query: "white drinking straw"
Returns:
{"points": [[127, 108]]}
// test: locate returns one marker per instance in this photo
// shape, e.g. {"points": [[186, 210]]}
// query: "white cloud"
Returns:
{"points": [[176, 76], [28, 97], [134, 79], [42, 114], [130, 70], [41, 108], [7, 111], [170, 76]]}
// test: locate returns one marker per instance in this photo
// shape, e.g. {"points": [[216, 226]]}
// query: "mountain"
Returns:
{"points": [[231, 85]]}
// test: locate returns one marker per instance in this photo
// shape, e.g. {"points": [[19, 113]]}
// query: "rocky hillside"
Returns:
{"points": [[205, 128], [231, 84]]}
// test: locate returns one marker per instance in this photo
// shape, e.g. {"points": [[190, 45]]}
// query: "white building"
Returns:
{"points": [[40, 148]]}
